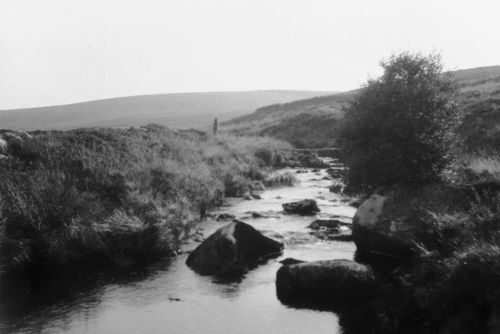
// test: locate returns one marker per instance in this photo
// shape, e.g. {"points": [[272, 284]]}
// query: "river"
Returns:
{"points": [[168, 297]]}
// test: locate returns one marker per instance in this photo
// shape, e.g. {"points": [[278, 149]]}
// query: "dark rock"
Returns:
{"points": [[232, 250], [331, 229], [341, 237], [306, 207], [300, 171], [289, 261], [256, 196], [327, 223], [336, 173], [336, 188], [225, 216], [315, 170], [247, 197], [324, 280]]}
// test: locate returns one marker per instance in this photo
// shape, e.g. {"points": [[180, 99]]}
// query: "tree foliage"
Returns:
{"points": [[400, 127]]}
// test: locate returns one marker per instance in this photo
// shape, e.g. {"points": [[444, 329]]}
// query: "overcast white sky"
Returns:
{"points": [[63, 51]]}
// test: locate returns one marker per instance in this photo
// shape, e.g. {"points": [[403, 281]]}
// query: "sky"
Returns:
{"points": [[64, 51]]}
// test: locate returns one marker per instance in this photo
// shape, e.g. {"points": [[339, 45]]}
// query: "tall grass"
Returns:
{"points": [[119, 197]]}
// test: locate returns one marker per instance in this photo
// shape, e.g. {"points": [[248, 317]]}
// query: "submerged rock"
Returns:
{"points": [[306, 207], [324, 281], [232, 250]]}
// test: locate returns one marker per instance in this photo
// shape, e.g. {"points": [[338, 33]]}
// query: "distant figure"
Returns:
{"points": [[216, 126]]}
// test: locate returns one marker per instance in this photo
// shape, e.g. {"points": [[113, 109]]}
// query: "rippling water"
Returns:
{"points": [[170, 298]]}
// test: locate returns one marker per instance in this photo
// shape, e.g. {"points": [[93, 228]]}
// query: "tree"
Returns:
{"points": [[400, 127]]}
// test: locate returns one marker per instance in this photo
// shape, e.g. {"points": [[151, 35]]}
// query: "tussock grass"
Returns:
{"points": [[115, 196]]}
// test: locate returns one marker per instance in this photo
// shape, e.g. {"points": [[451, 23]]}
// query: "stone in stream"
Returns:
{"points": [[331, 229], [335, 188], [324, 281], [336, 173], [225, 216], [306, 207], [232, 250]]}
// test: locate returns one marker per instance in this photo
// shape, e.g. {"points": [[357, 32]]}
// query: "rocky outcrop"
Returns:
{"points": [[389, 222], [232, 250], [324, 281], [306, 207]]}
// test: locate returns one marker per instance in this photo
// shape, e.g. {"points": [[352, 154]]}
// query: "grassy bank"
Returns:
{"points": [[106, 197]]}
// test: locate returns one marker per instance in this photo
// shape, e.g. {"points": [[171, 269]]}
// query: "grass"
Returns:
{"points": [[115, 197]]}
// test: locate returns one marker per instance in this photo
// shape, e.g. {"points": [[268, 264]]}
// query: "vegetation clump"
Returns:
{"points": [[101, 197], [400, 127]]}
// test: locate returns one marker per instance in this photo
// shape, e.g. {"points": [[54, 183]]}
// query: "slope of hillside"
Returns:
{"points": [[173, 110], [314, 122], [305, 123]]}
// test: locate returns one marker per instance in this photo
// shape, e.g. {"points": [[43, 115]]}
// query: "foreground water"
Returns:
{"points": [[170, 298]]}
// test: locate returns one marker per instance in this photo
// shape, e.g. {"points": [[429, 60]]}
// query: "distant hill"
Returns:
{"points": [[179, 110], [314, 122]]}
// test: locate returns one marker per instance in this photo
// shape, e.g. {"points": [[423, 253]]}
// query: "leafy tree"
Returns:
{"points": [[400, 127]]}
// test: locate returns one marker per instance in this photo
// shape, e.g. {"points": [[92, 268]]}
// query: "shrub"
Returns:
{"points": [[399, 128]]}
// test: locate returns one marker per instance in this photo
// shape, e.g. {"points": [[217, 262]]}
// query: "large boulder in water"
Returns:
{"points": [[391, 222], [324, 281], [306, 207], [232, 250]]}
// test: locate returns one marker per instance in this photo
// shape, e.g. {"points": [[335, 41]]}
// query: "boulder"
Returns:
{"points": [[389, 222], [327, 223], [232, 250], [256, 196], [335, 188], [324, 281], [331, 229], [306, 207], [336, 173]]}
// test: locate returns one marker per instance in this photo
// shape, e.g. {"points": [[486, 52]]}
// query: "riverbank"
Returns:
{"points": [[95, 199]]}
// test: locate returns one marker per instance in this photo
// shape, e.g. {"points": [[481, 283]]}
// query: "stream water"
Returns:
{"points": [[168, 297]]}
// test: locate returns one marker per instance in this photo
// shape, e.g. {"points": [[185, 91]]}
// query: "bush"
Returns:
{"points": [[400, 127]]}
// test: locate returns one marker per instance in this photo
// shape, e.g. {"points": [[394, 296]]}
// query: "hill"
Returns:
{"points": [[314, 122], [174, 110]]}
